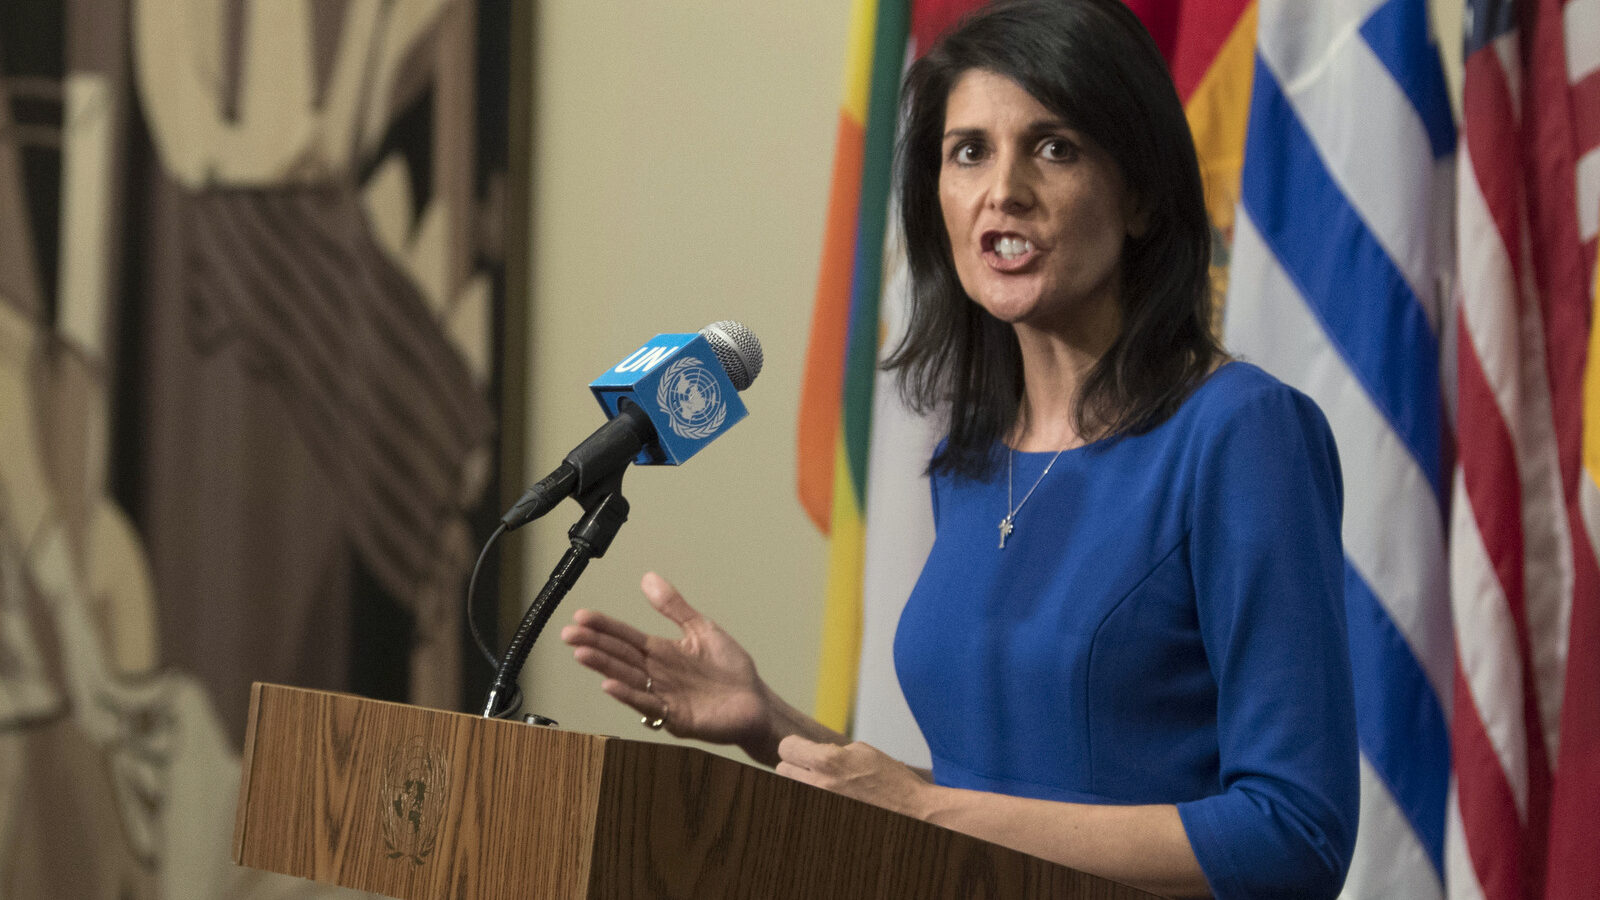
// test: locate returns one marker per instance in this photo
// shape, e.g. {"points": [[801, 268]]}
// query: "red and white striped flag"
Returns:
{"points": [[1526, 590]]}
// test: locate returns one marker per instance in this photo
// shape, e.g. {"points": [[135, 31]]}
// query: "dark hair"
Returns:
{"points": [[1092, 63]]}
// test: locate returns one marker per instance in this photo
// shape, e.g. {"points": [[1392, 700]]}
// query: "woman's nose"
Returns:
{"points": [[1012, 187]]}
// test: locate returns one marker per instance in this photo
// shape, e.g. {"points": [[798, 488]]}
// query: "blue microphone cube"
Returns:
{"points": [[677, 381]]}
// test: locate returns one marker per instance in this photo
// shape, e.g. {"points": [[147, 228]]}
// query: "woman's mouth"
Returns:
{"points": [[1007, 252], [1009, 248]]}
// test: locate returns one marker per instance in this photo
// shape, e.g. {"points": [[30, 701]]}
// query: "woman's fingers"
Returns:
{"points": [[643, 702], [796, 773], [579, 635], [611, 667], [805, 760], [604, 624], [641, 670], [806, 753], [666, 599], [622, 640]]}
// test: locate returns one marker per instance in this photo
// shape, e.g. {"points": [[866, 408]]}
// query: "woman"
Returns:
{"points": [[1126, 649]]}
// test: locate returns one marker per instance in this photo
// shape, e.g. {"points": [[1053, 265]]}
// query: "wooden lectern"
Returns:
{"points": [[417, 803]]}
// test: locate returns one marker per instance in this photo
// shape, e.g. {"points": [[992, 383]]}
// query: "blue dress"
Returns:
{"points": [[1164, 625]]}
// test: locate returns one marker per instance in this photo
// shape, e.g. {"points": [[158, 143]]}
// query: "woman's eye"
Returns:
{"points": [[1058, 150], [966, 153]]}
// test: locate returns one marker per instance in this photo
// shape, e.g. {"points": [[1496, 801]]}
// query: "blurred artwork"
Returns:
{"points": [[249, 301]]}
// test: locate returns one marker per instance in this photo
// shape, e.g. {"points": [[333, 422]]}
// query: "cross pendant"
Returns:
{"points": [[1005, 531]]}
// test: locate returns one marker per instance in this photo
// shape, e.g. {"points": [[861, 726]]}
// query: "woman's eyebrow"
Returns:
{"points": [[1044, 126], [1036, 127]]}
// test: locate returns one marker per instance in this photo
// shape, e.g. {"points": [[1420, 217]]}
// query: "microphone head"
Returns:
{"points": [[737, 350]]}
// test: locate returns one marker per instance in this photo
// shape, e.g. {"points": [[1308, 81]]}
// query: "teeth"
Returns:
{"points": [[1012, 247]]}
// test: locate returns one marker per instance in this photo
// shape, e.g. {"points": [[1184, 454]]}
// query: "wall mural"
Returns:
{"points": [[250, 306]]}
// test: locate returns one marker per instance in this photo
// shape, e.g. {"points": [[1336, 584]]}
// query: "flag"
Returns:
{"points": [[1212, 64], [1525, 589], [836, 394], [851, 424], [1340, 248]]}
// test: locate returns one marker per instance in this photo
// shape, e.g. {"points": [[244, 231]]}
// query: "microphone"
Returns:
{"points": [[664, 402]]}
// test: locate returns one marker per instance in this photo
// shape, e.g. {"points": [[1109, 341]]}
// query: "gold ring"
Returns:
{"points": [[652, 724]]}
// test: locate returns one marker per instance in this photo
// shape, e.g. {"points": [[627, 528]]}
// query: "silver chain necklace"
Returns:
{"points": [[1008, 524]]}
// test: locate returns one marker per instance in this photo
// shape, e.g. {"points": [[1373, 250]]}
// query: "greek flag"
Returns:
{"points": [[1338, 286]]}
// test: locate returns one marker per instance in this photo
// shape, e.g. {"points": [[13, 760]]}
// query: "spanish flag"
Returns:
{"points": [[1212, 64]]}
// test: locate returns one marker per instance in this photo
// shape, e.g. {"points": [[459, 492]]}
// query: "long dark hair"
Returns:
{"points": [[1092, 63]]}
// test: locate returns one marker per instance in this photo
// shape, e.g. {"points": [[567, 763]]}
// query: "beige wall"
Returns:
{"points": [[1446, 18], [682, 158]]}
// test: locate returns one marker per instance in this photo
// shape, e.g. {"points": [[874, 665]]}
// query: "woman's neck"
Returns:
{"points": [[1055, 365]]}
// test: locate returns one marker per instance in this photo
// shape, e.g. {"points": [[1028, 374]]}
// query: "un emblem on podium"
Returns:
{"points": [[413, 795]]}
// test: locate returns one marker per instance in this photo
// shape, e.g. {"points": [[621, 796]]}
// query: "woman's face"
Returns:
{"points": [[1036, 214]]}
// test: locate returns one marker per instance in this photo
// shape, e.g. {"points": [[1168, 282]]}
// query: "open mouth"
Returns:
{"points": [[1007, 247]]}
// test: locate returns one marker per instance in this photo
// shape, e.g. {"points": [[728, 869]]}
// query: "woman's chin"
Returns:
{"points": [[1011, 307]]}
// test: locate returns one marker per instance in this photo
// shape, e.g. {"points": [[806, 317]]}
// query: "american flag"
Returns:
{"points": [[1525, 725]]}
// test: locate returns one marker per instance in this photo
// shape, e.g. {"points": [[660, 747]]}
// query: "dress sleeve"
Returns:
{"points": [[1269, 585]]}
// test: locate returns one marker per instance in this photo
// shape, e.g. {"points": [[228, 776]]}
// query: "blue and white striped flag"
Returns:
{"points": [[1340, 260]]}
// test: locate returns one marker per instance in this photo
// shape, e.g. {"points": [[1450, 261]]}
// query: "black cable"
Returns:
{"points": [[514, 702], [472, 587]]}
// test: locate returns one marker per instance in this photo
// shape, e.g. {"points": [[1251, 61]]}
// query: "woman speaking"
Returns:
{"points": [[1126, 649]]}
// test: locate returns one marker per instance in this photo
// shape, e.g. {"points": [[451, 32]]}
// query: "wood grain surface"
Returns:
{"points": [[420, 804]]}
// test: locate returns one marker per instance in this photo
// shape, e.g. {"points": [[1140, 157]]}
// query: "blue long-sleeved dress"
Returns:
{"points": [[1164, 625]]}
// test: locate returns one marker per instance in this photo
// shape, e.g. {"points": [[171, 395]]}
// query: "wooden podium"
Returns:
{"points": [[417, 803]]}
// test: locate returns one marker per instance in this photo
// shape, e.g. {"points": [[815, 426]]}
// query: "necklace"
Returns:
{"points": [[1008, 524]]}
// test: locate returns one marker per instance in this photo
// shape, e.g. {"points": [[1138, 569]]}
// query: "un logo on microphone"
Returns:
{"points": [[691, 396]]}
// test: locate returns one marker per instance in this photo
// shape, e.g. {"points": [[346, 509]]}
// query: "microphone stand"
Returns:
{"points": [[604, 511]]}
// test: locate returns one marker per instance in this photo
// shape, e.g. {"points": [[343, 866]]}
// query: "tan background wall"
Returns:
{"points": [[1446, 18], [682, 157]]}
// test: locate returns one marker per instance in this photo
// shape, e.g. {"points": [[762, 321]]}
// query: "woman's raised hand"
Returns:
{"points": [[702, 685]]}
